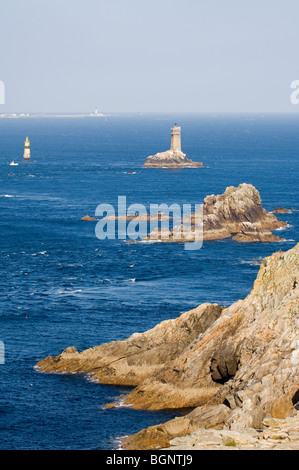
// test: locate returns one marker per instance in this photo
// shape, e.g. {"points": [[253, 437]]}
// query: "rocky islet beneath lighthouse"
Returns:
{"points": [[173, 158]]}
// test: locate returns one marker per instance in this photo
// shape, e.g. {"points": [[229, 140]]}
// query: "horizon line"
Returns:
{"points": [[110, 113]]}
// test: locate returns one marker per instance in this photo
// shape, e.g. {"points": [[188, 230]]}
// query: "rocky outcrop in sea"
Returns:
{"points": [[115, 363]]}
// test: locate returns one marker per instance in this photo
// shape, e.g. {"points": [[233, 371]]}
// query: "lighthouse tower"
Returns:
{"points": [[27, 155], [176, 139]]}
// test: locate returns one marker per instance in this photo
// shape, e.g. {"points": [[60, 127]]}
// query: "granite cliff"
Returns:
{"points": [[235, 367]]}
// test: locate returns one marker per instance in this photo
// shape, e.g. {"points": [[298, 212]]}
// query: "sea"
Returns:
{"points": [[62, 286]]}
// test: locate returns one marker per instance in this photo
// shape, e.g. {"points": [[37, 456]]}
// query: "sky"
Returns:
{"points": [[70, 56]]}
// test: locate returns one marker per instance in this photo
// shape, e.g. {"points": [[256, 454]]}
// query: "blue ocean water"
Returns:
{"points": [[61, 286]]}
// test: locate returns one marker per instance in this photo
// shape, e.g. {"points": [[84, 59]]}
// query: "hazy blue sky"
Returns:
{"points": [[147, 56]]}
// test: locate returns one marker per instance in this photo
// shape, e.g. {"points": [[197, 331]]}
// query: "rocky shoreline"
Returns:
{"points": [[235, 367]]}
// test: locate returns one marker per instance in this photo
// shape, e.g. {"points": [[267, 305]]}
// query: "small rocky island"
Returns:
{"points": [[236, 367], [237, 213], [173, 158]]}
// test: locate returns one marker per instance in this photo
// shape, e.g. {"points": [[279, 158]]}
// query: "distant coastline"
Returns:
{"points": [[28, 116]]}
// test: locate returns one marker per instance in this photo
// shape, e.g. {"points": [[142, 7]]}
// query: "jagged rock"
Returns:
{"points": [[237, 212], [171, 159], [88, 218]]}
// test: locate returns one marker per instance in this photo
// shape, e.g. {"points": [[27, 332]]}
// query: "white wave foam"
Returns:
{"points": [[283, 228]]}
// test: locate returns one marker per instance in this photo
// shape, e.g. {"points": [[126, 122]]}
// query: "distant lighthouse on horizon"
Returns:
{"points": [[27, 154]]}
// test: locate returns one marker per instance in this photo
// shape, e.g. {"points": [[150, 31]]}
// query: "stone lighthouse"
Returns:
{"points": [[27, 155], [173, 158], [176, 139]]}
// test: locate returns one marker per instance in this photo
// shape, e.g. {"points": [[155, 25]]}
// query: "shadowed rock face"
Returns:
{"points": [[236, 213]]}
